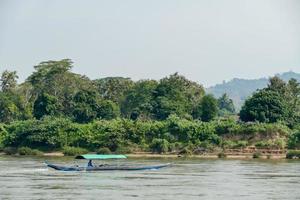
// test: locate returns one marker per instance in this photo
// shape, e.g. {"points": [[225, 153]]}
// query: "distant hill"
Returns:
{"points": [[240, 89]]}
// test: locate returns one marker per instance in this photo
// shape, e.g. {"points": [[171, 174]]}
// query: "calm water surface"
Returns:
{"points": [[28, 178]]}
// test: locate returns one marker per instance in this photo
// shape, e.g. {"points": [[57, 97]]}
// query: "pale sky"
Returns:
{"points": [[208, 41]]}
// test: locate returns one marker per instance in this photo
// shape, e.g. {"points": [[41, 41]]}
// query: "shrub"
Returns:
{"points": [[241, 144], [280, 143], [159, 145], [293, 154], [206, 146], [228, 144], [185, 151], [74, 151], [103, 150], [10, 150], [222, 155], [294, 140], [123, 149], [235, 144], [256, 155], [263, 144], [29, 151], [175, 147]]}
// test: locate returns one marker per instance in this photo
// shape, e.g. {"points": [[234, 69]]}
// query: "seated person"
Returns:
{"points": [[90, 164]]}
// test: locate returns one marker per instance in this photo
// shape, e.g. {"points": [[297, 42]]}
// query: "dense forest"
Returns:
{"points": [[55, 109]]}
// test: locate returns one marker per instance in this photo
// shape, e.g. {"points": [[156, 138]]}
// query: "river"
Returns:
{"points": [[28, 178]]}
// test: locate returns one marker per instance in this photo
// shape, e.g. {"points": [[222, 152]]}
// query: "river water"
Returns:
{"points": [[28, 178]]}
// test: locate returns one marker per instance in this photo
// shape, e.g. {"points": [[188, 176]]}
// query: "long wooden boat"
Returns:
{"points": [[103, 167]]}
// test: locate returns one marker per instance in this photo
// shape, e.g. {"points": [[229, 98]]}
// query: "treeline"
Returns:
{"points": [[55, 108], [53, 90]]}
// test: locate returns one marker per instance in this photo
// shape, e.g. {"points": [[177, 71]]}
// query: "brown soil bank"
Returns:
{"points": [[236, 155]]}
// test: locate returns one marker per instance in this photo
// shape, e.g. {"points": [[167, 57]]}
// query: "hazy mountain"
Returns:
{"points": [[240, 89]]}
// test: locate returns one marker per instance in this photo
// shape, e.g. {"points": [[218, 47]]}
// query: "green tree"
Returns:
{"points": [[55, 78], [294, 140], [8, 109], [176, 95], [113, 88], [8, 80], [225, 105], [12, 107], [86, 104], [108, 110], [277, 85], [265, 106], [138, 100], [293, 98], [207, 109], [46, 104]]}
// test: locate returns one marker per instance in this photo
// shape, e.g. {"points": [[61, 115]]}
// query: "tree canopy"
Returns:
{"points": [[54, 90], [279, 101]]}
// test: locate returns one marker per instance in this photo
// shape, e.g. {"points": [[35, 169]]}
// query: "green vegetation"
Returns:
{"points": [[56, 109], [222, 155], [293, 154], [29, 152], [125, 135], [279, 101], [294, 140], [73, 151], [103, 150], [225, 105], [257, 155], [10, 150]]}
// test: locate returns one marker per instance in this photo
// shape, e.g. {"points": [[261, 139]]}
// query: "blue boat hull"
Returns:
{"points": [[105, 167]]}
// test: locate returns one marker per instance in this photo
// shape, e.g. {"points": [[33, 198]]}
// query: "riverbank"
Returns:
{"points": [[246, 153], [206, 156]]}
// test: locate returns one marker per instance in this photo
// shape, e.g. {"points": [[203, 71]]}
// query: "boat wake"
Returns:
{"points": [[23, 171]]}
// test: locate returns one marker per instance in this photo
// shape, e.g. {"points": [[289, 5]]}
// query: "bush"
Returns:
{"points": [[277, 144], [159, 146], [103, 150], [28, 151], [10, 150], [222, 155], [235, 144], [176, 147], [264, 144], [293, 154], [294, 140], [280, 143], [185, 151], [241, 144], [123, 149], [74, 151], [256, 155]]}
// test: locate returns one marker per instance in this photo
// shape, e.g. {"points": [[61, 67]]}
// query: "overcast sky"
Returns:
{"points": [[208, 41]]}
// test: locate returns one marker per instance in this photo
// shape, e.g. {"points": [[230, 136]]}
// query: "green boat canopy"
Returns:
{"points": [[99, 156]]}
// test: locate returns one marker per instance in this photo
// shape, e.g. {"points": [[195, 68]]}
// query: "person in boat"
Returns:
{"points": [[90, 164]]}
